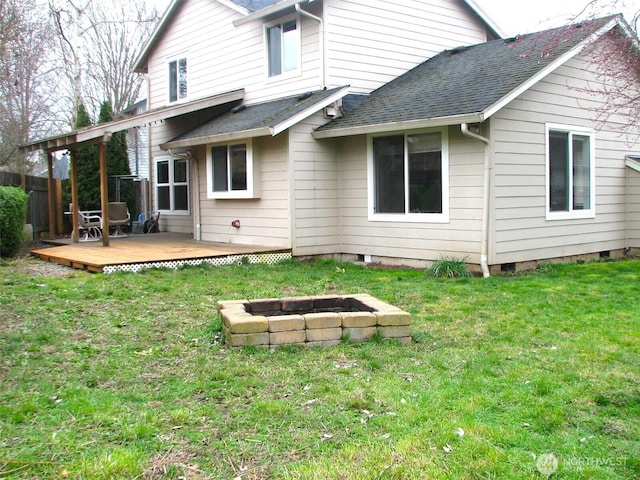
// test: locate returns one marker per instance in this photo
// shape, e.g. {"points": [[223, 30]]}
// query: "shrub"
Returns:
{"points": [[13, 212], [449, 267]]}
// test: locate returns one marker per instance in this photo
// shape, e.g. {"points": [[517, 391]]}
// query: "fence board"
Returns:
{"points": [[38, 189]]}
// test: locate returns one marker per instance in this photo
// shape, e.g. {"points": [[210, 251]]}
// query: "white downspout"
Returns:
{"points": [[464, 127], [323, 49]]}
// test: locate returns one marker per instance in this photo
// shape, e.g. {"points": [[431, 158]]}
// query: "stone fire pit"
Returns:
{"points": [[311, 321]]}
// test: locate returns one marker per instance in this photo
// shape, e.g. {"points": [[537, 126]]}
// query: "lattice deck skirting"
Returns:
{"points": [[267, 258]]}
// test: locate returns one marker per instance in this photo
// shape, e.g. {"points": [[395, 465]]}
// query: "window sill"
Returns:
{"points": [[409, 217], [244, 195], [576, 215], [177, 213]]}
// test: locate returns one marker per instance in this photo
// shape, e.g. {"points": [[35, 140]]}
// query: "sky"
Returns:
{"points": [[519, 16]]}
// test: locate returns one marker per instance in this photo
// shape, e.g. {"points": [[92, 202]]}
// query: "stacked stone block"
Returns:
{"points": [[311, 321]]}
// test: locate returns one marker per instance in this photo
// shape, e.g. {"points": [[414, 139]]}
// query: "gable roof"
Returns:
{"points": [[259, 119], [467, 84], [256, 9]]}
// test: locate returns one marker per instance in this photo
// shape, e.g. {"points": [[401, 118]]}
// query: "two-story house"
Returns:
{"points": [[387, 131]]}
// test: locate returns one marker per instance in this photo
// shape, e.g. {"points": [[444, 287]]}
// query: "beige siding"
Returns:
{"points": [[315, 208], [370, 42], [158, 134], [633, 208], [461, 237], [521, 231], [264, 221], [221, 57]]}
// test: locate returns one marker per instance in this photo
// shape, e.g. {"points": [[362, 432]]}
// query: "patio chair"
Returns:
{"points": [[152, 224], [119, 217], [90, 225]]}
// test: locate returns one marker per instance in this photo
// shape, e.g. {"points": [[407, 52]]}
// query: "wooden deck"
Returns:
{"points": [[138, 252]]}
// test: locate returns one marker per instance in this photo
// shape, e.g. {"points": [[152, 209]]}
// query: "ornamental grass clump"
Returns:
{"points": [[449, 267]]}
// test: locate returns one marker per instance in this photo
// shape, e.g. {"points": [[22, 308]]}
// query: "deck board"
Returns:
{"points": [[140, 249]]}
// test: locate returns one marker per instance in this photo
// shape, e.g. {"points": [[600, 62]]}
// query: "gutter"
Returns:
{"points": [[484, 246]]}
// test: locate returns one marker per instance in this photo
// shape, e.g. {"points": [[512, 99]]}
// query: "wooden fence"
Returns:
{"points": [[38, 190]]}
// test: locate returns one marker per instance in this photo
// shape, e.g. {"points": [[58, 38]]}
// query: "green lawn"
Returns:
{"points": [[123, 376]]}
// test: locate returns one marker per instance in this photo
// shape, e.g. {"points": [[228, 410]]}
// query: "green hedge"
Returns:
{"points": [[13, 213]]}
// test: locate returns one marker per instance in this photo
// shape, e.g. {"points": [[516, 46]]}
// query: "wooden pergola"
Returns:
{"points": [[100, 135]]}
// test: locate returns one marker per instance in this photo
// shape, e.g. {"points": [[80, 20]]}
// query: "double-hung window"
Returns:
{"points": [[570, 172], [172, 185], [283, 47], [177, 79], [230, 171], [409, 177]]}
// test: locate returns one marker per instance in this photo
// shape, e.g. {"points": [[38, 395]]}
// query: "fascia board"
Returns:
{"points": [[399, 126], [159, 114], [633, 162], [219, 138], [310, 110], [139, 65]]}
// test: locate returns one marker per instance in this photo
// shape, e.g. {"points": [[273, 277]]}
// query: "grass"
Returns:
{"points": [[123, 376]]}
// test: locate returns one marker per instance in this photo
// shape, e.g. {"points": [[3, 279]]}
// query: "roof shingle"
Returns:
{"points": [[465, 80]]}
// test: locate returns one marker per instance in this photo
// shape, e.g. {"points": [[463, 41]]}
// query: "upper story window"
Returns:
{"points": [[570, 172], [177, 79], [172, 185], [409, 177], [283, 47], [230, 171]]}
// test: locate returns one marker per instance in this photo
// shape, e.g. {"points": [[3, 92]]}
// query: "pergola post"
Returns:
{"points": [[104, 189], [52, 197], [75, 220]]}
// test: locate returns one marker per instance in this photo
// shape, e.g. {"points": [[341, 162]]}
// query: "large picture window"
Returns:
{"points": [[283, 47], [410, 177], [230, 171], [172, 185], [570, 172], [177, 79]]}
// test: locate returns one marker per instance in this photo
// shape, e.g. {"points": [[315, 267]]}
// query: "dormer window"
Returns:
{"points": [[177, 79], [283, 47]]}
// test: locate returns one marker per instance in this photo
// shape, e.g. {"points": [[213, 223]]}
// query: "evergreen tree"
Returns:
{"points": [[88, 165], [117, 160]]}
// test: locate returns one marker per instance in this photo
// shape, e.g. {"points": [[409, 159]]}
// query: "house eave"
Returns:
{"points": [[219, 138], [266, 130], [400, 126], [267, 11], [633, 162], [140, 64]]}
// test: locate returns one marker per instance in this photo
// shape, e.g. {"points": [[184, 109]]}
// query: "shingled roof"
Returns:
{"points": [[258, 119], [465, 81], [255, 5]]}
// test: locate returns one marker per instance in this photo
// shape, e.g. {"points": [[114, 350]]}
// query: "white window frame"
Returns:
{"points": [[171, 185], [251, 191], [408, 216], [177, 60], [572, 213], [289, 73]]}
